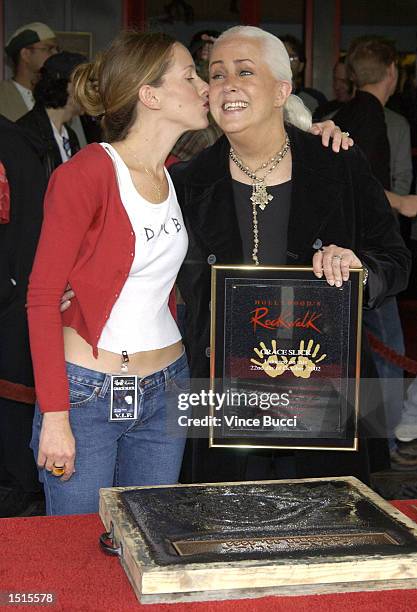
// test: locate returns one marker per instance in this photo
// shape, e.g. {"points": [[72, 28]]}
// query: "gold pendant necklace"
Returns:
{"points": [[260, 196], [157, 188]]}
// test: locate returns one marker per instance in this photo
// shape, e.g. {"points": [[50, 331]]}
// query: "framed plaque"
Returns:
{"points": [[285, 359]]}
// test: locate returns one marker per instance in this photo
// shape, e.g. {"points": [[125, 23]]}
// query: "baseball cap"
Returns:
{"points": [[61, 65], [28, 35]]}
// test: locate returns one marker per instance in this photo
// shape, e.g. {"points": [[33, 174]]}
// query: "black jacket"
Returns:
{"points": [[19, 237], [36, 123], [18, 242], [335, 199]]}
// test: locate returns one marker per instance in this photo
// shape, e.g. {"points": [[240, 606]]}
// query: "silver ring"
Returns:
{"points": [[346, 134], [337, 256]]}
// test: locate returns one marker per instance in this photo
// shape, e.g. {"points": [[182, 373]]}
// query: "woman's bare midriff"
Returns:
{"points": [[79, 352]]}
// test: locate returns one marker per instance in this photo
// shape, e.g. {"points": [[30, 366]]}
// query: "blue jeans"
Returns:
{"points": [[146, 451], [384, 322], [407, 427]]}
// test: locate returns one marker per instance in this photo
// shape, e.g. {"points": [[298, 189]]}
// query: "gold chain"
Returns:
{"points": [[157, 188], [260, 196]]}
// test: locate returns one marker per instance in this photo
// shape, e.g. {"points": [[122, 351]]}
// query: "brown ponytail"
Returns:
{"points": [[85, 83]]}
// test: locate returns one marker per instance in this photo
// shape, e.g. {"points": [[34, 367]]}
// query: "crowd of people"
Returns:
{"points": [[98, 242]]}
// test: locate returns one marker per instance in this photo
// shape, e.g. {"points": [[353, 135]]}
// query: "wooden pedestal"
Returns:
{"points": [[325, 573]]}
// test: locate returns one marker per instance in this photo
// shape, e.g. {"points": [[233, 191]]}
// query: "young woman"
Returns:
{"points": [[113, 229]]}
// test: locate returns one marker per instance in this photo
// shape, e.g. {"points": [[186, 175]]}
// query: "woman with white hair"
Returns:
{"points": [[268, 193]]}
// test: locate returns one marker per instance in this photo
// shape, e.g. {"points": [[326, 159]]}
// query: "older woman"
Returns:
{"points": [[318, 198]]}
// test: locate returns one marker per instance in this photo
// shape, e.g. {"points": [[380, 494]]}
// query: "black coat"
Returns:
{"points": [[335, 199], [18, 242], [19, 237], [38, 127]]}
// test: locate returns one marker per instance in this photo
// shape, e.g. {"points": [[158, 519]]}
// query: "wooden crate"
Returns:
{"points": [[327, 573]]}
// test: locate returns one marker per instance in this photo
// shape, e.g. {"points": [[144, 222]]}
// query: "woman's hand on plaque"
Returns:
{"points": [[334, 262]]}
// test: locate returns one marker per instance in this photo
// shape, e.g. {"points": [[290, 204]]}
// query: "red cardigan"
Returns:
{"points": [[87, 240]]}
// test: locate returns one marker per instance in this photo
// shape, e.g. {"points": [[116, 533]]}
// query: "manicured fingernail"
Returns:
{"points": [[338, 283], [331, 282]]}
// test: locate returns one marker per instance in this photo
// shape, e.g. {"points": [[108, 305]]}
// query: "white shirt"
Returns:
{"points": [[26, 94], [59, 139], [140, 319]]}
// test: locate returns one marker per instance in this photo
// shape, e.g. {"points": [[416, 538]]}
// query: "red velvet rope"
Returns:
{"points": [[17, 392], [407, 364]]}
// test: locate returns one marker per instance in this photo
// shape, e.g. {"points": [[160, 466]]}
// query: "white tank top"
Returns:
{"points": [[140, 319]]}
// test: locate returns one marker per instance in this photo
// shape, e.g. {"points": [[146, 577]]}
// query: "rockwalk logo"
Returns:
{"points": [[307, 321]]}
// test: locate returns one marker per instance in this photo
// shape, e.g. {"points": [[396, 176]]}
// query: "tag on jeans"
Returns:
{"points": [[124, 398]]}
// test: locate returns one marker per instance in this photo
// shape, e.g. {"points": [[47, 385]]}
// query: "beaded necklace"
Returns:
{"points": [[260, 196]]}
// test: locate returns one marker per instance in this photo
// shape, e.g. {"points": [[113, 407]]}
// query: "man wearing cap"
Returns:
{"points": [[28, 48], [54, 107]]}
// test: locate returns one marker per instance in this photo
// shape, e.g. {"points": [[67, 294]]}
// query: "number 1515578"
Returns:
{"points": [[14, 598]]}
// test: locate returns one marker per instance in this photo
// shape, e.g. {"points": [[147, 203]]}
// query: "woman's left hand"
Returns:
{"points": [[328, 129], [335, 262]]}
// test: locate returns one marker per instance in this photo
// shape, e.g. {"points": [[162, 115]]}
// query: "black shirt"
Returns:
{"points": [[364, 118], [272, 223]]}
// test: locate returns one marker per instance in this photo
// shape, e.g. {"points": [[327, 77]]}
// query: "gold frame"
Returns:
{"points": [[214, 268]]}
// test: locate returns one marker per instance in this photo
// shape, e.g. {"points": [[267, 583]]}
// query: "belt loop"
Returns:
{"points": [[105, 386], [166, 375]]}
